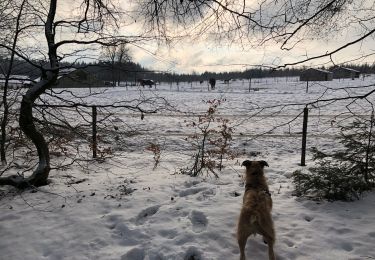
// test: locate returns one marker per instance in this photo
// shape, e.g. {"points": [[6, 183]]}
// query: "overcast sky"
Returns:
{"points": [[209, 56], [206, 56], [199, 54]]}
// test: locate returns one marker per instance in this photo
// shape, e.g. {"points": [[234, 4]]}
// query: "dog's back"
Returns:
{"points": [[256, 203]]}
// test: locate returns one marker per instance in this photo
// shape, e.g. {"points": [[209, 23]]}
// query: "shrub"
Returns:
{"points": [[343, 174], [155, 148], [211, 141]]}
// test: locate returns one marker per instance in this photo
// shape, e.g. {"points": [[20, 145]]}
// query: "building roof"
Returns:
{"points": [[320, 70], [65, 71], [348, 69], [62, 72], [16, 79]]}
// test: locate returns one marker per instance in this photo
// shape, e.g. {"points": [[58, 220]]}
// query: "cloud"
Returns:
{"points": [[206, 56], [201, 52]]}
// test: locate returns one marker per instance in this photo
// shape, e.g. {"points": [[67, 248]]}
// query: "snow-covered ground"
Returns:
{"points": [[123, 209]]}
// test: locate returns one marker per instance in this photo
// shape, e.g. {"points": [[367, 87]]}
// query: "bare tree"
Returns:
{"points": [[40, 175], [115, 56], [7, 71], [92, 26]]}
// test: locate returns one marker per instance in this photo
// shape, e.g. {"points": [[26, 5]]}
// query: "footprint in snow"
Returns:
{"points": [[189, 184], [208, 193], [191, 191], [168, 233], [288, 242], [198, 220], [343, 231], [308, 218], [134, 254], [346, 246], [112, 220], [98, 243], [127, 236], [146, 213], [193, 254]]}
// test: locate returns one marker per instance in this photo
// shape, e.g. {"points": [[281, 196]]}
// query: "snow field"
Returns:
{"points": [[122, 209]]}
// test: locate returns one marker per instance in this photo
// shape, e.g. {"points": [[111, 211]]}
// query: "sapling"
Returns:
{"points": [[211, 141]]}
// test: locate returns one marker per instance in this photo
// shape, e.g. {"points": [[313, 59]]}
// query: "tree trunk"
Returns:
{"points": [[40, 175], [4, 122], [368, 148]]}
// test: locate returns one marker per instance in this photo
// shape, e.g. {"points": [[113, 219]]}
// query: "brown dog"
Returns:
{"points": [[255, 217]]}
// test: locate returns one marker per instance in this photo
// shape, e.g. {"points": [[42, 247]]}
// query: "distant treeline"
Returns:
{"points": [[247, 74], [131, 71]]}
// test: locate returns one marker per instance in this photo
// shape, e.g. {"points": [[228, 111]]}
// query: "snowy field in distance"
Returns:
{"points": [[123, 209]]}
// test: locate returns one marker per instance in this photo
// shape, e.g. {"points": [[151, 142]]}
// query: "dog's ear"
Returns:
{"points": [[246, 163], [263, 163]]}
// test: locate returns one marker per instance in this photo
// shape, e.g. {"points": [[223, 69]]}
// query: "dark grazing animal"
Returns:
{"points": [[147, 82], [212, 83]]}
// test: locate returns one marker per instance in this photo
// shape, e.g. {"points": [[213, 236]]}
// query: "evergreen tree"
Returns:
{"points": [[345, 173]]}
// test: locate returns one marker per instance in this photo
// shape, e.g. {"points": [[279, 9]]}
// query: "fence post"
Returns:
{"points": [[94, 141], [307, 86], [304, 136], [249, 84]]}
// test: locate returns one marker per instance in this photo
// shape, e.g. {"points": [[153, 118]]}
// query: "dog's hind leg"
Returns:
{"points": [[242, 239], [243, 232], [269, 238], [271, 253]]}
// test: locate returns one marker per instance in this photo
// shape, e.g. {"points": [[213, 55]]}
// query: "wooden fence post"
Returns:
{"points": [[249, 84], [304, 136], [307, 86], [94, 141]]}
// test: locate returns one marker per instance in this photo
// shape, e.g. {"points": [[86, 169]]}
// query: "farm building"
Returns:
{"points": [[77, 78], [313, 74], [345, 73], [16, 81]]}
